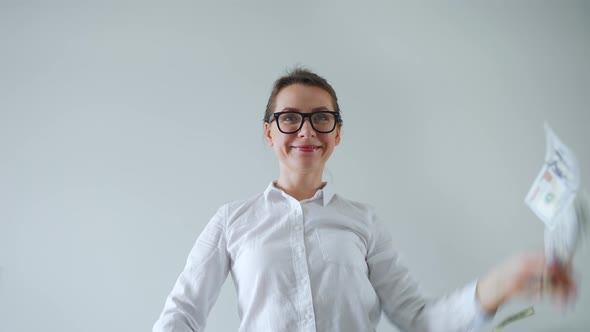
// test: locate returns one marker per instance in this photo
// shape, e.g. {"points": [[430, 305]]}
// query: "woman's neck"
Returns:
{"points": [[300, 186]]}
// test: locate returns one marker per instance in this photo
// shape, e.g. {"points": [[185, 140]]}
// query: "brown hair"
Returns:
{"points": [[304, 76]]}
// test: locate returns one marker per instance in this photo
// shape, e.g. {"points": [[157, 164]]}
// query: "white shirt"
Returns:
{"points": [[320, 264]]}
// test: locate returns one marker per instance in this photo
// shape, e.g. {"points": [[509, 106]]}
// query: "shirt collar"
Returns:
{"points": [[326, 193]]}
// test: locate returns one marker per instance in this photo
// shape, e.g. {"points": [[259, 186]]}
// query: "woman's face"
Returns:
{"points": [[305, 149]]}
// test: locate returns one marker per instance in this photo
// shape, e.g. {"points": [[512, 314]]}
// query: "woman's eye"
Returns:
{"points": [[321, 117]]}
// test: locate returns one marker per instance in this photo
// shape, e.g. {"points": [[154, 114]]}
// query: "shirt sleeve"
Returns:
{"points": [[197, 288], [402, 303]]}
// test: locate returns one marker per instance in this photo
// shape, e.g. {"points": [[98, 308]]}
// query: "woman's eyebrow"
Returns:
{"points": [[315, 109]]}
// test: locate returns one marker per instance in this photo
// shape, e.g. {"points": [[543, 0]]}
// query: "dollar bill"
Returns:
{"points": [[513, 318], [555, 187], [554, 198]]}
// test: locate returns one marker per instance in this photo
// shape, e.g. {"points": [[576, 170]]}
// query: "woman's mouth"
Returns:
{"points": [[306, 148]]}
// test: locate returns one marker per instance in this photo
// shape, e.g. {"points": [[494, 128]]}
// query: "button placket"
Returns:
{"points": [[301, 271]]}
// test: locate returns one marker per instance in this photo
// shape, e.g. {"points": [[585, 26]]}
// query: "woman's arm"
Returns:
{"points": [[403, 303], [198, 286]]}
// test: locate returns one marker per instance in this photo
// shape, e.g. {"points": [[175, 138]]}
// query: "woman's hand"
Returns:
{"points": [[525, 275]]}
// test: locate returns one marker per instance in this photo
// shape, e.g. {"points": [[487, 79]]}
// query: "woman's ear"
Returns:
{"points": [[267, 134], [337, 138]]}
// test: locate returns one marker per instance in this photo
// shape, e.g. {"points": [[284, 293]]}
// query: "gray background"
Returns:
{"points": [[125, 125]]}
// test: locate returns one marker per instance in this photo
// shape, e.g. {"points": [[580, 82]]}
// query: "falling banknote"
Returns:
{"points": [[513, 318], [552, 198]]}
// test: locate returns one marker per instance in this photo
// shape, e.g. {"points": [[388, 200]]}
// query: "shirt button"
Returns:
{"points": [[308, 316], [304, 282], [297, 228]]}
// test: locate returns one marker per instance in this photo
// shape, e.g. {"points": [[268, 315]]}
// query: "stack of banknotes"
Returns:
{"points": [[555, 197]]}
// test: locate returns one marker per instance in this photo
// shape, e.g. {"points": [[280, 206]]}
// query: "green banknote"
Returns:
{"points": [[513, 318]]}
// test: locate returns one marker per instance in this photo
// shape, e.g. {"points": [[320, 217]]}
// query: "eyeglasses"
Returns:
{"points": [[290, 122]]}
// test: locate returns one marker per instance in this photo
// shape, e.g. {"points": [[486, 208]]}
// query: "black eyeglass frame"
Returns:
{"points": [[275, 116]]}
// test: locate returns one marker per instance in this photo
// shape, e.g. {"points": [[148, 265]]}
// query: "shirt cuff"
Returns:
{"points": [[480, 315]]}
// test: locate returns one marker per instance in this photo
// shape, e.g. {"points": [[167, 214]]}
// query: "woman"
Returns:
{"points": [[306, 259]]}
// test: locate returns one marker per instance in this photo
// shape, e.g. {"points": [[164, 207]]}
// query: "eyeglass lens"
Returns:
{"points": [[322, 122]]}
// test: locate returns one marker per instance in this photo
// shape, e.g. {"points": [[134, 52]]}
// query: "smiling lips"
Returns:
{"points": [[306, 148]]}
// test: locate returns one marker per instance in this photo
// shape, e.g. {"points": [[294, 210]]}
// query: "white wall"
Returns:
{"points": [[125, 125]]}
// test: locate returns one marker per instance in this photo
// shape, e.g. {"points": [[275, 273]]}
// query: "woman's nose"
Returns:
{"points": [[306, 129]]}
